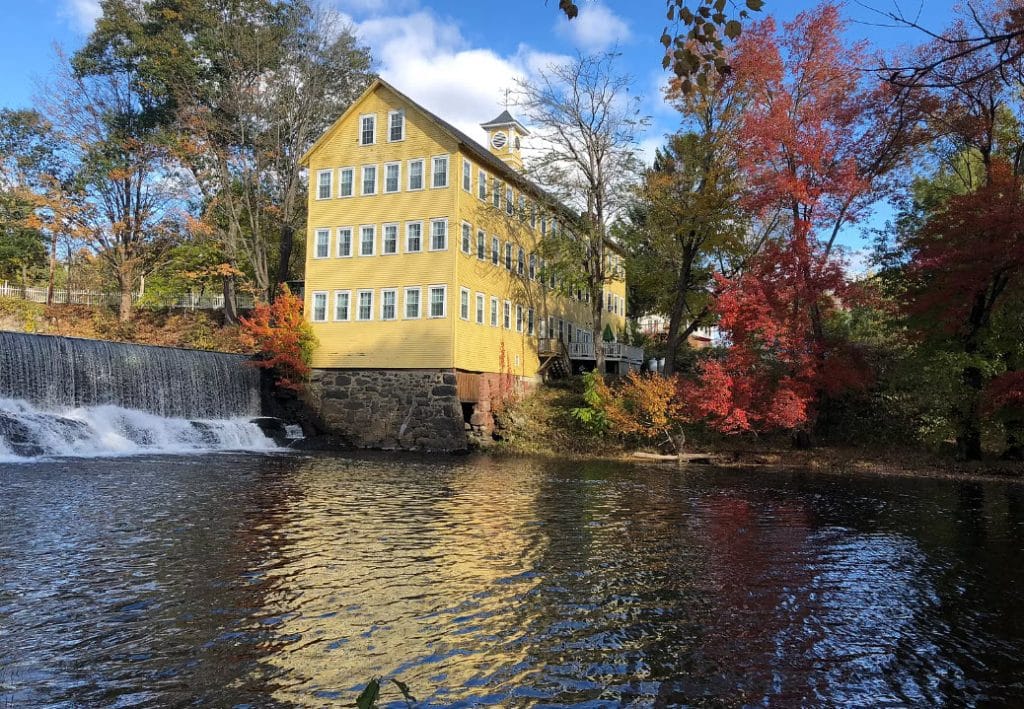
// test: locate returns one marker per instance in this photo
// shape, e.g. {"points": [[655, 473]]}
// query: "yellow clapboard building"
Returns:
{"points": [[422, 252]]}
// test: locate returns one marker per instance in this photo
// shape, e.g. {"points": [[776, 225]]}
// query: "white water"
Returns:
{"points": [[28, 433]]}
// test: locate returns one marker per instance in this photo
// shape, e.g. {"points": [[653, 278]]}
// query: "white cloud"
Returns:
{"points": [[596, 28], [82, 13]]}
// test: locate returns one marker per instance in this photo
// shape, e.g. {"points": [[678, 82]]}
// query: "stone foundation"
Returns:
{"points": [[390, 409]]}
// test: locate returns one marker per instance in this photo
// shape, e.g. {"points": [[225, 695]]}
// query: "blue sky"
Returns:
{"points": [[456, 57]]}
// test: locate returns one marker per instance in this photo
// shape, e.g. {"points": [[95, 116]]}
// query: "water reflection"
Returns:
{"points": [[291, 581]]}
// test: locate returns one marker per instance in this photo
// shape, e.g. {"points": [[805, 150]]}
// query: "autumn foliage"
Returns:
{"points": [[650, 407], [283, 339]]}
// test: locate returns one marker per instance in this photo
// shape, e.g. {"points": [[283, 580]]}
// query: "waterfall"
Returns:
{"points": [[62, 396]]}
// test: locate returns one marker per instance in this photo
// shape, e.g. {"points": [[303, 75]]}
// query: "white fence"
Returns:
{"points": [[188, 301]]}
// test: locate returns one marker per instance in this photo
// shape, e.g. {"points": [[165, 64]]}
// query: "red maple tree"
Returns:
{"points": [[282, 339]]}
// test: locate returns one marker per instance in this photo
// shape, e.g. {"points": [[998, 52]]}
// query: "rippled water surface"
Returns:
{"points": [[291, 581]]}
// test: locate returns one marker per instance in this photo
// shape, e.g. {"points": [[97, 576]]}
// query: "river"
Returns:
{"points": [[291, 580]]}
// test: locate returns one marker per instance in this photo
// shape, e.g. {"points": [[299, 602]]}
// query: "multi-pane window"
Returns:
{"points": [[345, 183], [480, 308], [608, 303], [509, 202], [522, 208], [543, 227], [495, 250], [365, 311], [439, 171], [392, 175], [323, 184], [437, 298], [342, 300], [369, 179], [521, 263], [529, 321], [320, 307], [413, 237], [496, 193], [467, 176], [390, 239], [367, 235], [494, 312], [396, 127], [464, 303], [533, 215], [416, 174], [345, 241], [519, 318], [368, 130], [481, 185], [467, 237], [412, 303], [507, 315], [438, 234], [322, 247], [388, 304], [533, 266], [508, 256], [481, 245]]}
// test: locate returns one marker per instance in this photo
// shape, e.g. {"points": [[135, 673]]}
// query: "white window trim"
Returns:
{"points": [[334, 313], [481, 180], [469, 303], [373, 241], [316, 235], [312, 305], [362, 181], [495, 312], [353, 171], [407, 249], [396, 113], [405, 303], [481, 240], [506, 307], [374, 117], [398, 238], [351, 242], [423, 175], [447, 172], [330, 173], [467, 176], [480, 304], [444, 302], [495, 251], [430, 236], [466, 246], [520, 317], [398, 183], [393, 291], [359, 295]]}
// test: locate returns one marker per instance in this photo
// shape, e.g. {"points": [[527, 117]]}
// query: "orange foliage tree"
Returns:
{"points": [[282, 338], [649, 407]]}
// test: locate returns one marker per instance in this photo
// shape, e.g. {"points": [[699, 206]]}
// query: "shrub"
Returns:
{"points": [[282, 338]]}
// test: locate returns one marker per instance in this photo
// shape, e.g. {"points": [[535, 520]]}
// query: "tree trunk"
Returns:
{"points": [[596, 311], [284, 257], [968, 440], [53, 269], [674, 331], [230, 303], [124, 310]]}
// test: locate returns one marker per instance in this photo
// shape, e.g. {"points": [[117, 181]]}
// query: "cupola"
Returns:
{"points": [[503, 139]]}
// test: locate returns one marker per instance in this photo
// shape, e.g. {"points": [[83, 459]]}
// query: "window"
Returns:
{"points": [[479, 308], [481, 245], [543, 227], [365, 311], [495, 250], [506, 313], [438, 234], [439, 172], [345, 184], [494, 311], [320, 306], [481, 185], [522, 208], [369, 179], [533, 215], [510, 206], [608, 303], [322, 248], [521, 263], [344, 241], [519, 318], [412, 303], [416, 174], [467, 236], [323, 184], [342, 300], [529, 321], [533, 266], [388, 304], [367, 130], [396, 126], [392, 175], [437, 301], [390, 239], [464, 303], [467, 176], [508, 256], [367, 235], [496, 193], [551, 327], [413, 237]]}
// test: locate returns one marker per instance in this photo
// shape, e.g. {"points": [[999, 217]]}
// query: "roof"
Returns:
{"points": [[505, 119]]}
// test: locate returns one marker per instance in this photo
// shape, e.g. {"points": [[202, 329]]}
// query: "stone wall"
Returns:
{"points": [[404, 409]]}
